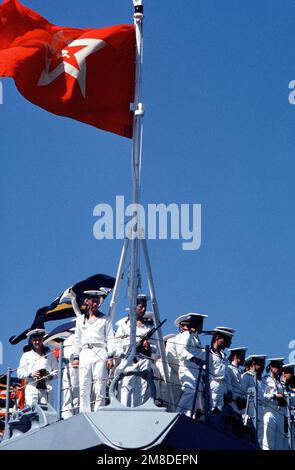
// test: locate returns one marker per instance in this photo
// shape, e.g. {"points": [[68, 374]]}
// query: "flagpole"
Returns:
{"points": [[136, 169], [136, 235], [139, 237]]}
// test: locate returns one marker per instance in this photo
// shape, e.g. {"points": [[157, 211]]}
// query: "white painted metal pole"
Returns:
{"points": [[157, 320], [7, 401], [112, 308], [136, 165]]}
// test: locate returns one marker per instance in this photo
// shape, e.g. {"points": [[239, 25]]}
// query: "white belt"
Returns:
{"points": [[92, 345]]}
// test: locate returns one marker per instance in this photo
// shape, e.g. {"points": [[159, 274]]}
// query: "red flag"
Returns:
{"points": [[85, 74]]}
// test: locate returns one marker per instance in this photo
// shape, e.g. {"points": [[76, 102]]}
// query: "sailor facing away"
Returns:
{"points": [[254, 387], [275, 429], [162, 395], [191, 359], [219, 379], [237, 359], [93, 351], [182, 324], [289, 383], [38, 366], [71, 391], [134, 390]]}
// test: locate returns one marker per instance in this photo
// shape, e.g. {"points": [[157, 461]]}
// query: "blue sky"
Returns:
{"points": [[218, 131]]}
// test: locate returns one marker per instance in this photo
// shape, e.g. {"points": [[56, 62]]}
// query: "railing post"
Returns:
{"points": [[207, 386], [59, 395], [6, 432]]}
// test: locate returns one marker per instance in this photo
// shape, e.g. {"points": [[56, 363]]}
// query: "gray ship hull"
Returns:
{"points": [[127, 430]]}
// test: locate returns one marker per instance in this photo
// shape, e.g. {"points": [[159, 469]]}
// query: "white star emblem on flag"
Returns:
{"points": [[71, 60]]}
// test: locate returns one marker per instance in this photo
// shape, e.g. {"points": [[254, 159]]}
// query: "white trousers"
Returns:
{"points": [[92, 378], [134, 390], [217, 390], [33, 394], [251, 413], [175, 385], [274, 437], [188, 376], [71, 391]]}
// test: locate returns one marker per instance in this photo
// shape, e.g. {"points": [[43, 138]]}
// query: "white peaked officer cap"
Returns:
{"points": [[290, 366], [225, 328], [36, 332], [95, 293]]}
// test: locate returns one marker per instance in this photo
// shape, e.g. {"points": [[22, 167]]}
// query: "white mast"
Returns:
{"points": [[136, 167], [137, 236], [131, 237]]}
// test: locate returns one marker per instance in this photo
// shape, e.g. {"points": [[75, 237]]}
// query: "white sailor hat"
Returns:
{"points": [[148, 314], [237, 350], [182, 319], [224, 332], [225, 328], [187, 317], [169, 336], [36, 332], [141, 298], [274, 360], [261, 357], [196, 320], [95, 293], [194, 314], [289, 367]]}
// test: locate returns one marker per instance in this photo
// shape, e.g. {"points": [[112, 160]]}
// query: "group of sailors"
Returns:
{"points": [[196, 379]]}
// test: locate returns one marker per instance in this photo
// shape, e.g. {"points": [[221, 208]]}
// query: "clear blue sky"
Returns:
{"points": [[219, 131]]}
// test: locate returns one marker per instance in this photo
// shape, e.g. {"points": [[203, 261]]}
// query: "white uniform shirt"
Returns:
{"points": [[171, 353], [68, 345], [189, 346], [123, 334], [273, 386], [235, 377], [249, 385], [98, 333], [31, 362], [218, 368], [291, 404]]}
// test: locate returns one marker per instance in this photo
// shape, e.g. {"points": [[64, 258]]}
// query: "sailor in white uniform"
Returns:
{"points": [[38, 366], [162, 394], [191, 359], [288, 379], [182, 323], [275, 431], [71, 391], [219, 379], [134, 390], [287, 373], [237, 359], [254, 387], [93, 351]]}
